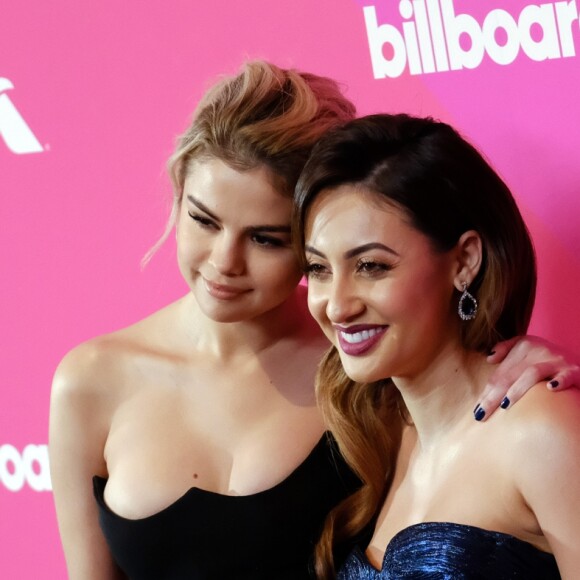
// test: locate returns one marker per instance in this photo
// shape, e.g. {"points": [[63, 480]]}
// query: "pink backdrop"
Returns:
{"points": [[92, 96]]}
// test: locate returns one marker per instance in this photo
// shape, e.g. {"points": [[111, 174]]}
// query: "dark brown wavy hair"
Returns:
{"points": [[445, 187]]}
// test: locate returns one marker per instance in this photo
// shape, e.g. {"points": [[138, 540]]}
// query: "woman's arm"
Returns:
{"points": [[547, 470], [523, 362], [79, 421]]}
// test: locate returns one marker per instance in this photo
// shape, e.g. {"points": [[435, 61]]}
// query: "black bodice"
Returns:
{"points": [[209, 536]]}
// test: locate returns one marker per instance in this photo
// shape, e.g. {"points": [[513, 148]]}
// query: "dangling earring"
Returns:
{"points": [[467, 308]]}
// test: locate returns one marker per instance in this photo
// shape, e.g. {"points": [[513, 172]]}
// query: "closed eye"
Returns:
{"points": [[268, 241], [202, 221]]}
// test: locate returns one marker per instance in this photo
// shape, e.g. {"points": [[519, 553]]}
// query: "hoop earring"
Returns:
{"points": [[467, 307]]}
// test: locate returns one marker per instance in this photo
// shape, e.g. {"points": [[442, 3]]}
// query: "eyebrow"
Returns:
{"points": [[202, 207], [261, 228], [355, 251]]}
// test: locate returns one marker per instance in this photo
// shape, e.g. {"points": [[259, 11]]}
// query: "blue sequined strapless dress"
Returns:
{"points": [[447, 551]]}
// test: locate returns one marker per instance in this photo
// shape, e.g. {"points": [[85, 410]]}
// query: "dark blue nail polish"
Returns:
{"points": [[505, 403], [476, 407], [553, 384], [479, 414]]}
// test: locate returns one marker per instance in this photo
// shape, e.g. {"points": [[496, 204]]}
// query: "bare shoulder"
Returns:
{"points": [[104, 363], [543, 430], [541, 410], [543, 418], [85, 368], [89, 387], [542, 433]]}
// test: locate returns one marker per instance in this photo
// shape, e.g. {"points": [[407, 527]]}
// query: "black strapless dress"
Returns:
{"points": [[208, 536], [446, 551]]}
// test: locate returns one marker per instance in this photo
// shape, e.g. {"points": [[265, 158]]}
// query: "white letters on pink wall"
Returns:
{"points": [[92, 96], [433, 37]]}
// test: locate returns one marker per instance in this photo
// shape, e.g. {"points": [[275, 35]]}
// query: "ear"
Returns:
{"points": [[469, 257]]}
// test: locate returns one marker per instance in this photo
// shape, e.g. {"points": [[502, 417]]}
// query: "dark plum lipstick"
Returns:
{"points": [[359, 339]]}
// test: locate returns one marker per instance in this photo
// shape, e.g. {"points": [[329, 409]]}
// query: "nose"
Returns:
{"points": [[344, 302], [228, 255]]}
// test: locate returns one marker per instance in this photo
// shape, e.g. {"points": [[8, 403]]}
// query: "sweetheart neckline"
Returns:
{"points": [[100, 482], [361, 554]]}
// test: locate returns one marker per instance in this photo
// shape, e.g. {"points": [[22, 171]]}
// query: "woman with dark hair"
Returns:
{"points": [[418, 262]]}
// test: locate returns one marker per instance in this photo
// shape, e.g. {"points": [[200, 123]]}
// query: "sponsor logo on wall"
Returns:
{"points": [[432, 37], [14, 130], [29, 468]]}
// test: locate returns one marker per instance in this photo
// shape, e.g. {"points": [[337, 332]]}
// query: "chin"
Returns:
{"points": [[225, 319], [220, 314], [363, 375]]}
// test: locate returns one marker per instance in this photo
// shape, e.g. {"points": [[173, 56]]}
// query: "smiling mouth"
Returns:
{"points": [[357, 341], [223, 292], [358, 337]]}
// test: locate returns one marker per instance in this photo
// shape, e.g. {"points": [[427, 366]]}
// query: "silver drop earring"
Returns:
{"points": [[467, 307]]}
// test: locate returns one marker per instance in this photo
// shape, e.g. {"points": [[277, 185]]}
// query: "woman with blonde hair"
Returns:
{"points": [[418, 262], [199, 423]]}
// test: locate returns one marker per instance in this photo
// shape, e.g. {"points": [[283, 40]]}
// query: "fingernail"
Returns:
{"points": [[553, 384], [479, 414], [476, 407], [505, 403]]}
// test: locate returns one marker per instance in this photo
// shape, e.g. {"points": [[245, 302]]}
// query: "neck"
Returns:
{"points": [[229, 340], [442, 396]]}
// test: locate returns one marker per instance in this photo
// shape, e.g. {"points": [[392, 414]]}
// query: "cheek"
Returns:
{"points": [[182, 232], [278, 271], [394, 299], [426, 305], [317, 303], [185, 247], [190, 249], [292, 276]]}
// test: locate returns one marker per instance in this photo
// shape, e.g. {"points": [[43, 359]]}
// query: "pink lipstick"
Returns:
{"points": [[223, 292]]}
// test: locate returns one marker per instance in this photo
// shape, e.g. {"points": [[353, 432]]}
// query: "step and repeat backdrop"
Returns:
{"points": [[93, 94]]}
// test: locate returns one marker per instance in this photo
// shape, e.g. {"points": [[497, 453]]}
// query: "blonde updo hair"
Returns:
{"points": [[263, 116]]}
